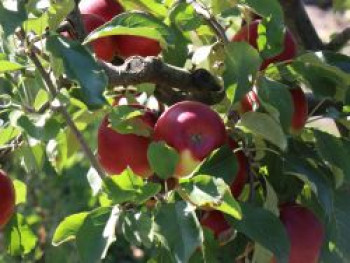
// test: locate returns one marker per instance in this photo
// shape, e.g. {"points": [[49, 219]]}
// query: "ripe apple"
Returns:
{"points": [[249, 33], [7, 199], [300, 112], [128, 46], [216, 222], [250, 102], [106, 9], [194, 130], [104, 47], [305, 233], [118, 151], [242, 173]]}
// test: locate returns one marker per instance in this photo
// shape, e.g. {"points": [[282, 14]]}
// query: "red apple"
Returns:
{"points": [[105, 9], [242, 173], [128, 46], [118, 151], [250, 102], [7, 199], [104, 47], [194, 130], [249, 33], [216, 222], [305, 232], [300, 112]]}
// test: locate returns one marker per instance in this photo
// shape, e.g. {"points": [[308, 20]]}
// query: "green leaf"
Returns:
{"points": [[320, 184], [21, 191], [338, 60], [184, 17], [58, 11], [334, 151], [265, 228], [207, 191], [268, 8], [325, 79], [162, 159], [7, 134], [279, 97], [80, 66], [222, 163], [37, 25], [6, 66], [241, 65], [134, 23], [149, 6], [177, 53], [178, 230], [41, 131], [19, 238], [68, 228], [124, 119], [96, 234], [128, 187], [264, 126], [41, 98], [138, 228], [338, 240], [10, 20]]}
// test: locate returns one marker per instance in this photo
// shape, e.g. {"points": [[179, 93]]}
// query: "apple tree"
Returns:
{"points": [[172, 131]]}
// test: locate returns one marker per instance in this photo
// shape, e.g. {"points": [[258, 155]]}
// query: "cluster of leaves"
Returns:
{"points": [[51, 170]]}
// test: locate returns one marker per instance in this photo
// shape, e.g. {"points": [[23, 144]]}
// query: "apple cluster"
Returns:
{"points": [[7, 199], [95, 13], [250, 102], [192, 128]]}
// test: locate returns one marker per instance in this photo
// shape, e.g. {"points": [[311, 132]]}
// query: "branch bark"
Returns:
{"points": [[339, 40], [181, 84], [300, 24]]}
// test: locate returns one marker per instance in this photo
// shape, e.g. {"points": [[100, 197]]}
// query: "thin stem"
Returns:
{"points": [[54, 91], [316, 107], [211, 21]]}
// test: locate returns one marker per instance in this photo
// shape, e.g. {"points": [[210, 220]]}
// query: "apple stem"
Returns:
{"points": [[53, 92], [251, 178]]}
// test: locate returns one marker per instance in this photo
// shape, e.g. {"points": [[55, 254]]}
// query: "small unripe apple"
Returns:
{"points": [[7, 199], [105, 9], [128, 46], [305, 232], [194, 130], [242, 172], [103, 47], [118, 151], [249, 33]]}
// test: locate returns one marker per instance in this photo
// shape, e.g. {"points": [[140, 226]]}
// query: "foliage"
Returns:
{"points": [[66, 212]]}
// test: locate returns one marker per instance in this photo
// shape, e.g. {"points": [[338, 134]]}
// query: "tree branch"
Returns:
{"points": [[75, 19], [300, 24], [181, 84], [339, 40], [54, 91]]}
